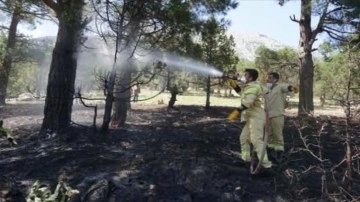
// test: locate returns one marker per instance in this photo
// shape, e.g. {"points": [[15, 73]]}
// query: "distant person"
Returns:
{"points": [[276, 107], [173, 92], [251, 112], [136, 93], [322, 100]]}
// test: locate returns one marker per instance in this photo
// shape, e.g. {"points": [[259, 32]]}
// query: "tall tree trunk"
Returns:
{"points": [[117, 96], [61, 80], [122, 94], [9, 51], [122, 98], [109, 89], [109, 86], [306, 103], [208, 91], [349, 171]]}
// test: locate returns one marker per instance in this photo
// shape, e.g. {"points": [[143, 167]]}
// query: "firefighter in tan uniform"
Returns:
{"points": [[276, 105], [252, 112]]}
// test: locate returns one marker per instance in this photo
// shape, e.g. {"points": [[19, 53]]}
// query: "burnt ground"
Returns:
{"points": [[179, 155]]}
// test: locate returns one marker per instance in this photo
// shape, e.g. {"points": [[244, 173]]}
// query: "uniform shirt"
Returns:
{"points": [[251, 97], [276, 99]]}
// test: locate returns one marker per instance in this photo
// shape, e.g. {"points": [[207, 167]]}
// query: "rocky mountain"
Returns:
{"points": [[248, 42]]}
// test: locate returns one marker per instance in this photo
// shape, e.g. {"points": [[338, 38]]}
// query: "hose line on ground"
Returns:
{"points": [[266, 138]]}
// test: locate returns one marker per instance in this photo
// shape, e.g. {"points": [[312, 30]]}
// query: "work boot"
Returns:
{"points": [[240, 161], [271, 154], [279, 156], [275, 156], [265, 172]]}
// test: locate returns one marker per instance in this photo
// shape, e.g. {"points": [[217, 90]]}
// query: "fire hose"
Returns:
{"points": [[254, 169], [266, 139]]}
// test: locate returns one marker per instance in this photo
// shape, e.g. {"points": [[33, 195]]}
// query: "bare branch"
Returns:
{"points": [[335, 10], [52, 5], [285, 64], [293, 18], [334, 35], [319, 27], [4, 27]]}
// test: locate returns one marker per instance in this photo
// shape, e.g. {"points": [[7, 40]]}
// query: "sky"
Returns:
{"points": [[265, 17]]}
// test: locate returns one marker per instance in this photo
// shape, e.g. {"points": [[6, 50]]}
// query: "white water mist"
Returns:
{"points": [[190, 65], [181, 63], [101, 55]]}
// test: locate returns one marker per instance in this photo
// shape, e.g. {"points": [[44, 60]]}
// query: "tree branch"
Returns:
{"points": [[335, 10], [319, 27], [4, 27], [52, 5], [285, 64], [334, 35], [293, 18]]}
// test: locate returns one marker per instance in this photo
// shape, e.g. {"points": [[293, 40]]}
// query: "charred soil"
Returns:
{"points": [[182, 154]]}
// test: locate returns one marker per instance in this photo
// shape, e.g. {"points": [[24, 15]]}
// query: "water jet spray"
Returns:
{"points": [[183, 63]]}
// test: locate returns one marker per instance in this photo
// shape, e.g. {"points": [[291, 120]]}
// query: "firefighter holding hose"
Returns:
{"points": [[252, 112]]}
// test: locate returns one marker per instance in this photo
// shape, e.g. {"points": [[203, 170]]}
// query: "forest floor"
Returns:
{"points": [[188, 154]]}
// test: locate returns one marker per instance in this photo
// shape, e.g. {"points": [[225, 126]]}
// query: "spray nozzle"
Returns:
{"points": [[230, 76]]}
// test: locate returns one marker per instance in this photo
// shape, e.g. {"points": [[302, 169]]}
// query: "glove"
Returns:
{"points": [[234, 114], [294, 89], [233, 83]]}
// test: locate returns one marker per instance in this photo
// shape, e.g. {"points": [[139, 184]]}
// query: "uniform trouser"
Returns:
{"points": [[253, 133], [276, 138]]}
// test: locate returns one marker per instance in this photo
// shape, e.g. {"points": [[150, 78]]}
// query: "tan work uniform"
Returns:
{"points": [[276, 106], [253, 131]]}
